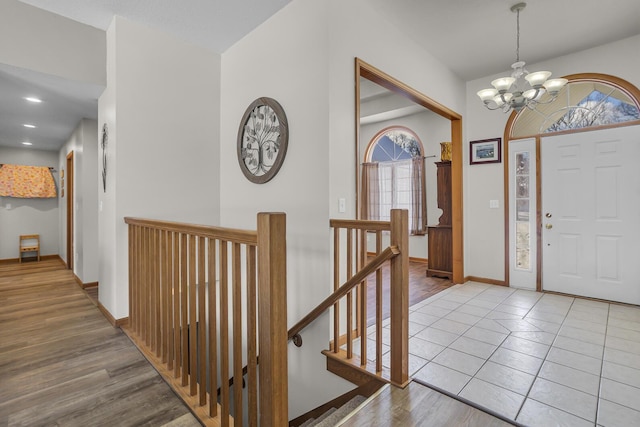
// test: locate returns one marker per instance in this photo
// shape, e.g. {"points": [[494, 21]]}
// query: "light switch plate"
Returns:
{"points": [[342, 205], [494, 204]]}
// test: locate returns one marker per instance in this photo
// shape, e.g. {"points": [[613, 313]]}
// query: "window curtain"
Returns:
{"points": [[370, 192], [395, 185], [27, 182], [418, 221]]}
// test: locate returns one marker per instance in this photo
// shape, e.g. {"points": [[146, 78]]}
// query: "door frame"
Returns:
{"points": [[375, 75], [70, 213], [632, 91], [538, 195]]}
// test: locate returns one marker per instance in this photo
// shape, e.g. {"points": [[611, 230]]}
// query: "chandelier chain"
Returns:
{"points": [[518, 35]]}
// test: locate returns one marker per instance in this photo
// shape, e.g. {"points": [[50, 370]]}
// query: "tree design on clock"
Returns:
{"points": [[262, 140]]}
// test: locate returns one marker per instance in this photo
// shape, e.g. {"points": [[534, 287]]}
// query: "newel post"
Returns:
{"points": [[272, 315], [399, 237]]}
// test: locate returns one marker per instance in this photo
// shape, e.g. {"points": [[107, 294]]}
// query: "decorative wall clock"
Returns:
{"points": [[263, 136], [105, 138]]}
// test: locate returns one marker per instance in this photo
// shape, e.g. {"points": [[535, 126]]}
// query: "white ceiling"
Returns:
{"points": [[473, 38]]}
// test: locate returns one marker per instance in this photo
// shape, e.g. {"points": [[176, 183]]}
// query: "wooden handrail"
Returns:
{"points": [[247, 237], [372, 266], [358, 224]]}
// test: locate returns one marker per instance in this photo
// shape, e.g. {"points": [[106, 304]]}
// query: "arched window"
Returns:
{"points": [[393, 177], [589, 100]]}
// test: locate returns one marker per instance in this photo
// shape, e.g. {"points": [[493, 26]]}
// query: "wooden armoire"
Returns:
{"points": [[440, 243]]}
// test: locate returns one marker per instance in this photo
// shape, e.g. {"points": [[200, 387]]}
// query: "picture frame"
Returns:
{"points": [[263, 137], [485, 151]]}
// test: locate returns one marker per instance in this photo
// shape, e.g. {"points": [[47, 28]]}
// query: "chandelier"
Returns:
{"points": [[521, 89]]}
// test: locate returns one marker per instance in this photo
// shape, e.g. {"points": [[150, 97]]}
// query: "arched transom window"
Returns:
{"points": [[585, 102], [393, 177]]}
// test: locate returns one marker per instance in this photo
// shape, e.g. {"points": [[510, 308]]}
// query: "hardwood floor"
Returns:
{"points": [[62, 363], [417, 405], [421, 287]]}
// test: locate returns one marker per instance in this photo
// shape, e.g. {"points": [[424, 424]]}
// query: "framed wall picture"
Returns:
{"points": [[263, 137], [485, 151]]}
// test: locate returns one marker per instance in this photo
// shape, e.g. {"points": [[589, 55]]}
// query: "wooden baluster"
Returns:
{"points": [[336, 285], [152, 289], [224, 334], [202, 329], [184, 302], [237, 332], [379, 306], [132, 279], [146, 288], [193, 326], [349, 295], [158, 292], [171, 330], [272, 312], [153, 281], [252, 350], [358, 289], [213, 332], [166, 293], [399, 301], [362, 301], [176, 305]]}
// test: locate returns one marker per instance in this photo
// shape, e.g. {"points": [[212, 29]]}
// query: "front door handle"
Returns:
{"points": [[548, 226]]}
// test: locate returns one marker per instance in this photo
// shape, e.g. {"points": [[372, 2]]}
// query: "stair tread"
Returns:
{"points": [[338, 414]]}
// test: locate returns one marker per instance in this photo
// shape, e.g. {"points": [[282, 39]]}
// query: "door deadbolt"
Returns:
{"points": [[548, 215]]}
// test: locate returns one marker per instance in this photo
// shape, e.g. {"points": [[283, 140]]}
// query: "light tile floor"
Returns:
{"points": [[539, 359]]}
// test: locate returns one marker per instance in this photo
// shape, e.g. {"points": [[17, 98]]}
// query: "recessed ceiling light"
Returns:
{"points": [[32, 99], [26, 143], [29, 126]]}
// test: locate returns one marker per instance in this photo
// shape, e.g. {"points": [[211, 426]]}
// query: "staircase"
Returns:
{"points": [[333, 416]]}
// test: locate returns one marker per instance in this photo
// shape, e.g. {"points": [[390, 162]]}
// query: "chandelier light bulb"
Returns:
{"points": [[554, 86], [538, 78], [487, 95], [503, 83], [533, 93]]}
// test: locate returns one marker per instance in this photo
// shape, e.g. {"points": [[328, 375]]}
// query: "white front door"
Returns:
{"points": [[591, 214]]}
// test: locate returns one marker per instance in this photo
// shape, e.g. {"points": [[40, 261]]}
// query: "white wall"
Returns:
{"points": [[50, 43], [84, 144], [29, 216], [312, 75], [293, 70], [484, 227], [161, 106]]}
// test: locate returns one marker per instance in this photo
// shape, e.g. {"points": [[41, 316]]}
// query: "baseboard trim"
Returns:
{"points": [[485, 280], [116, 323], [77, 279], [89, 285], [42, 258]]}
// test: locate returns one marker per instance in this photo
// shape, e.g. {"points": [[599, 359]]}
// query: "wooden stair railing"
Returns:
{"points": [[192, 291], [346, 330], [372, 266]]}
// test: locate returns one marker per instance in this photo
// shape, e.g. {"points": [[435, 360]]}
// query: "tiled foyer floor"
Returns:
{"points": [[539, 359]]}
